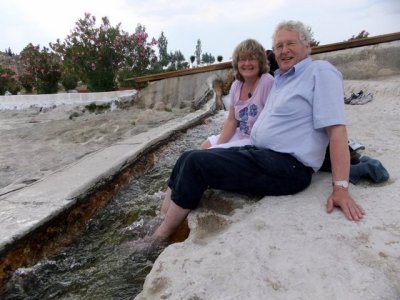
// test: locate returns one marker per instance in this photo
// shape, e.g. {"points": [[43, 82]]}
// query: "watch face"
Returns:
{"points": [[341, 183]]}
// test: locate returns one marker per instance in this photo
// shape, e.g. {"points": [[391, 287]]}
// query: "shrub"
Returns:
{"points": [[69, 81], [9, 82], [27, 82], [124, 74], [97, 53], [44, 66]]}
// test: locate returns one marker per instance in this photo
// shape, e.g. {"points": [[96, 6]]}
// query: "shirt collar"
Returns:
{"points": [[296, 68]]}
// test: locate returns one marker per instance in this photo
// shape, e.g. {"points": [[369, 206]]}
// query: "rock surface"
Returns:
{"points": [[44, 138], [239, 248], [289, 247]]}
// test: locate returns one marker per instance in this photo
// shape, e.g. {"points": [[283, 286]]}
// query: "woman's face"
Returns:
{"points": [[248, 66]]}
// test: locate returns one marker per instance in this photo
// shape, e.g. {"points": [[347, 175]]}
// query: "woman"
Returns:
{"points": [[247, 95]]}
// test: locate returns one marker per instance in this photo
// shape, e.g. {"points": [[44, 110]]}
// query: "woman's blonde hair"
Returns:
{"points": [[249, 48]]}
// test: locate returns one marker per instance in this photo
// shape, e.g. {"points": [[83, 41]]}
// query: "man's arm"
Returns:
{"points": [[340, 161]]}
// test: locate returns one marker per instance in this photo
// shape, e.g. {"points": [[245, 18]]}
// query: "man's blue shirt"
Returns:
{"points": [[302, 102]]}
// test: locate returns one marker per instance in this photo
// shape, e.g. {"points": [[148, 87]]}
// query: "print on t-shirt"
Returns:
{"points": [[244, 116]]}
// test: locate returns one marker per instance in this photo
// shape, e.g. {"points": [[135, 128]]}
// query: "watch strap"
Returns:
{"points": [[341, 183]]}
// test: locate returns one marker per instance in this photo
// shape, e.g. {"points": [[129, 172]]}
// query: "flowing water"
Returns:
{"points": [[100, 265]]}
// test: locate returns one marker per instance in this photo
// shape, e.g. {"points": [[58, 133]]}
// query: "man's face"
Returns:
{"points": [[288, 49]]}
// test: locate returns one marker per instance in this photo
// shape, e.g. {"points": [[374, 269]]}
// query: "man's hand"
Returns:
{"points": [[341, 198]]}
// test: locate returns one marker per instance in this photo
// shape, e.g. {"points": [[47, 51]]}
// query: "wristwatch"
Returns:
{"points": [[341, 183]]}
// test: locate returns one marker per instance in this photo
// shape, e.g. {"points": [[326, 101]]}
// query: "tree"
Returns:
{"points": [[27, 81], [162, 50], [207, 58], [198, 52], [192, 59], [44, 67], [9, 81], [363, 34], [9, 52], [211, 58], [93, 53], [176, 59], [69, 80], [313, 42], [142, 55], [219, 58], [141, 58], [97, 54]]}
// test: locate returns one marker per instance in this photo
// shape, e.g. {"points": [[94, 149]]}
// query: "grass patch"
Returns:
{"points": [[98, 108]]}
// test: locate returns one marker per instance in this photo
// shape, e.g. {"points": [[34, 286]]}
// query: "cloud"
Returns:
{"points": [[219, 24]]}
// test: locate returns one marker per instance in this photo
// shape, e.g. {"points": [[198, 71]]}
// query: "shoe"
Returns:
{"points": [[354, 157], [352, 97], [363, 99], [355, 146]]}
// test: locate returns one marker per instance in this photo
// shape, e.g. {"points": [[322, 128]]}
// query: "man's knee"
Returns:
{"points": [[196, 157]]}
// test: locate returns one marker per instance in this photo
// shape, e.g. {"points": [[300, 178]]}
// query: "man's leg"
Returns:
{"points": [[173, 218], [243, 170], [166, 202]]}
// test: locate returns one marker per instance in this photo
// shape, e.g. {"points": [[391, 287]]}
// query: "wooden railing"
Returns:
{"points": [[357, 43], [318, 49], [159, 76]]}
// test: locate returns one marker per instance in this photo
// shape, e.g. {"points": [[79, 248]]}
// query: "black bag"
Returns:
{"points": [[326, 165]]}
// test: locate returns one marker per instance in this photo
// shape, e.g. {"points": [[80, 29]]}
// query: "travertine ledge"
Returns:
{"points": [[289, 247]]}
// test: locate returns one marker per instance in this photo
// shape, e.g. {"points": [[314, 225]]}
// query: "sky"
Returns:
{"points": [[219, 24]]}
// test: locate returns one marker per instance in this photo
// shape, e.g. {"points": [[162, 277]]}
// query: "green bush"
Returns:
{"points": [[97, 53], [44, 66], [9, 82], [125, 74], [27, 82], [69, 81]]}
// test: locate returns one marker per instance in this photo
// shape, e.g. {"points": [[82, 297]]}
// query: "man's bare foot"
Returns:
{"points": [[148, 246], [143, 227]]}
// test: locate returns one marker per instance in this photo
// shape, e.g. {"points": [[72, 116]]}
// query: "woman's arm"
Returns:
{"points": [[229, 127]]}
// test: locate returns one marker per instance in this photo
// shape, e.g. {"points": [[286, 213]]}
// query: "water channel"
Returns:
{"points": [[98, 265]]}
